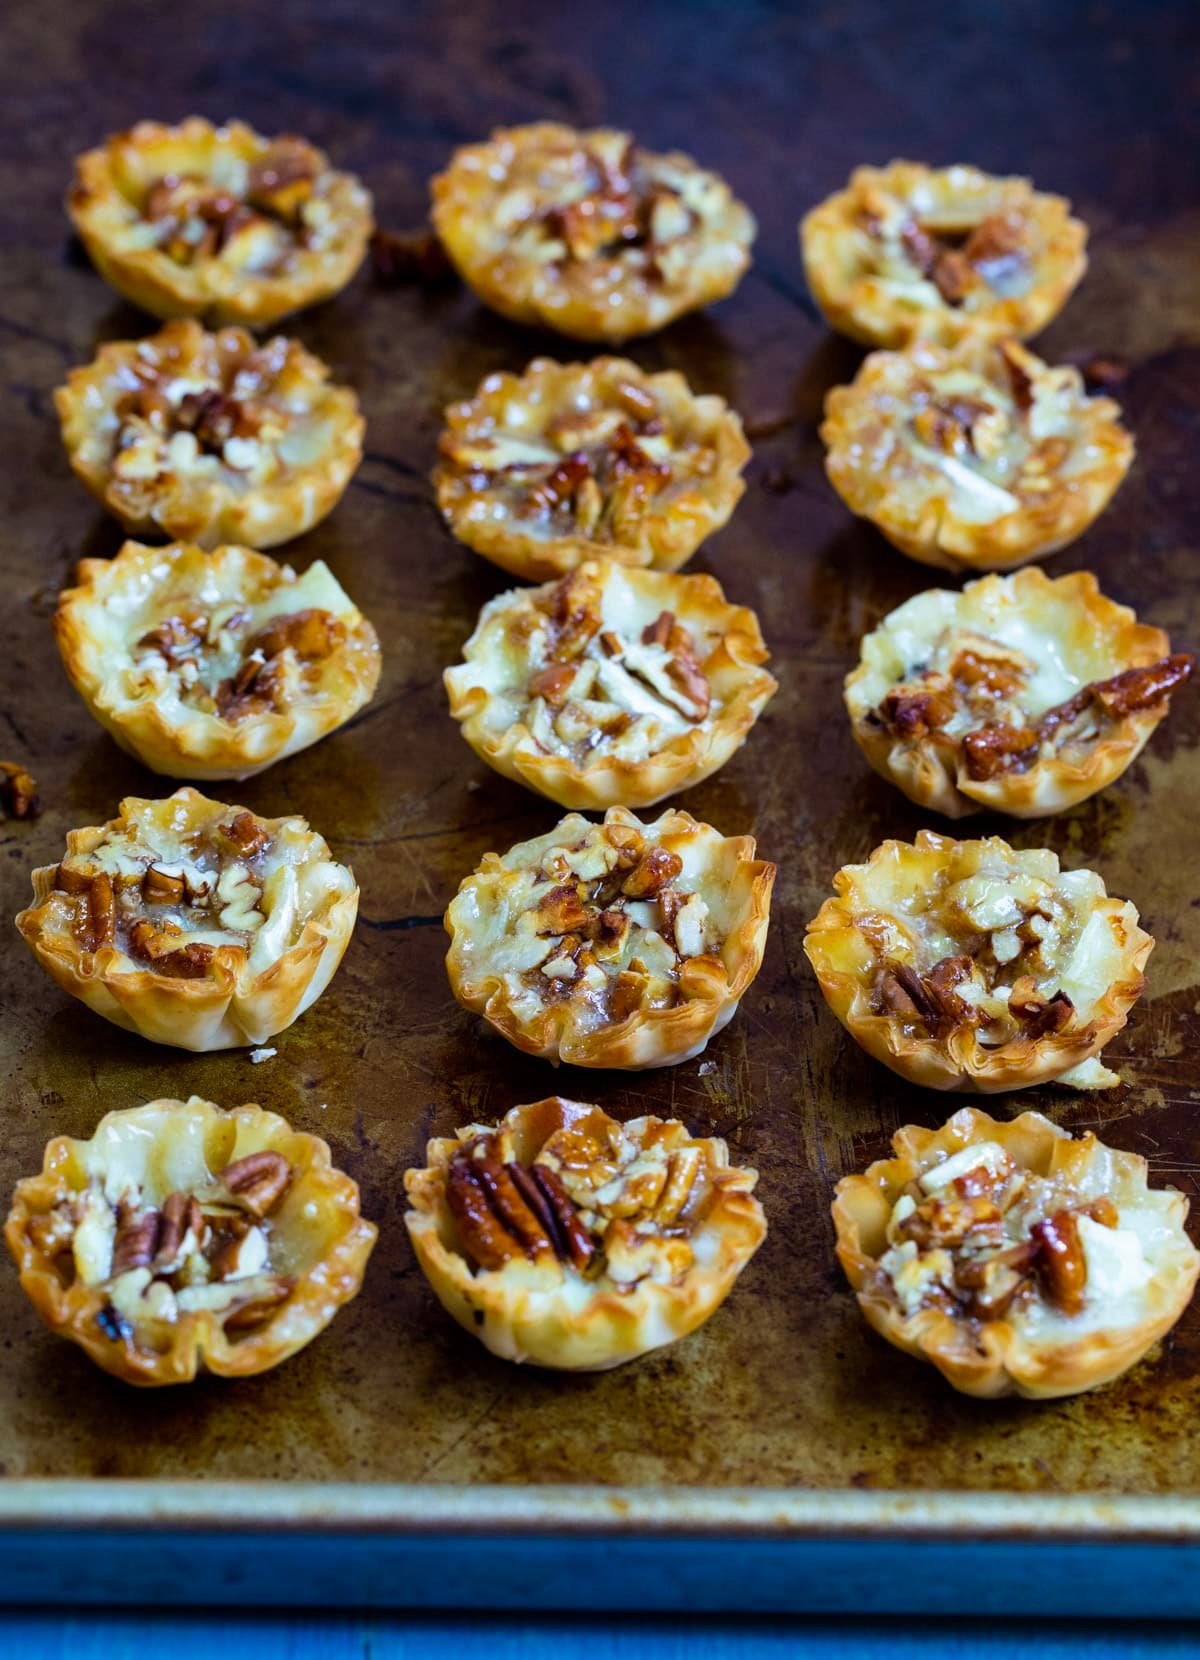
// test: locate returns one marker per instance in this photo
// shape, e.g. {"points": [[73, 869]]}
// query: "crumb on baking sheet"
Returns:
{"points": [[258, 1056]]}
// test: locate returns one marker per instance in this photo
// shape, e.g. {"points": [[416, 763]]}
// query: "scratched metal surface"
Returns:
{"points": [[785, 1386]]}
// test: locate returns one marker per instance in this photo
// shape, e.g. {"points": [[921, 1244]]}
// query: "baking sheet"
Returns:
{"points": [[785, 1389]]}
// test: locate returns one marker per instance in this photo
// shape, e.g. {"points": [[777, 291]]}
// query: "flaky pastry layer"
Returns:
{"points": [[218, 223], [908, 251], [193, 923], [587, 233], [575, 461], [566, 1239], [612, 687], [975, 456], [114, 1258], [977, 966], [1021, 694], [214, 664], [209, 437], [1104, 1266], [621, 944]]}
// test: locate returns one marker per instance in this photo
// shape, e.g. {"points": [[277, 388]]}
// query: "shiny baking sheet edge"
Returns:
{"points": [[340, 1508]]}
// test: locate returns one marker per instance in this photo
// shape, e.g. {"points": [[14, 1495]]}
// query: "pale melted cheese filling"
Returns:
{"points": [[507, 938], [1122, 1262], [517, 640], [149, 453], [138, 671], [1054, 926], [260, 903]]}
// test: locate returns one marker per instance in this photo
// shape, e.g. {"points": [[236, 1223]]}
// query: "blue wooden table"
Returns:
{"points": [[87, 1636]]}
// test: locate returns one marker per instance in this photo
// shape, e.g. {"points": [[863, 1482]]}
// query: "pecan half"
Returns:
{"points": [[181, 1214], [654, 870], [1141, 688], [992, 750], [261, 1306], [136, 1242], [1060, 1261], [549, 1200], [1040, 1016], [160, 888], [258, 1181], [18, 791]]}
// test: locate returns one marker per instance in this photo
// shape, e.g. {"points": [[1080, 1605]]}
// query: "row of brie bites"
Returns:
{"points": [[580, 231], [181, 1238]]}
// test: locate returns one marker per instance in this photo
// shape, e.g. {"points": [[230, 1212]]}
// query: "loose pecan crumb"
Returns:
{"points": [[18, 791], [409, 257]]}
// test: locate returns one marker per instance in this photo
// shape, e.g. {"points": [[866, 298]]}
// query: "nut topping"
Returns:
{"points": [[258, 1181]]}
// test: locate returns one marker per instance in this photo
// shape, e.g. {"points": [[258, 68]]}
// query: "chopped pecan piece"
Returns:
{"points": [[246, 834], [996, 240], [18, 791], [993, 676], [312, 634], [625, 993], [559, 486], [181, 1215], [1103, 1210], [627, 459], [174, 638], [931, 997], [992, 750], [101, 911], [636, 400], [136, 1242], [258, 1181], [212, 416], [654, 870], [261, 1306], [944, 1222], [562, 910], [1040, 1016], [912, 714], [1061, 1262], [1016, 360], [156, 946], [283, 178], [953, 276], [553, 683], [159, 888]]}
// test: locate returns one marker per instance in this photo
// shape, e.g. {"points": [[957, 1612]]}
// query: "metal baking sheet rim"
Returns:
{"points": [[560, 1549]]}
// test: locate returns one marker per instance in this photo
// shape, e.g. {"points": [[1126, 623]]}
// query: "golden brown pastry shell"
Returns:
{"points": [[856, 304], [217, 293], [841, 956], [931, 532], [228, 1008], [576, 299], [325, 1240], [260, 515], [995, 1358], [1098, 634], [198, 744], [529, 401], [547, 1327], [712, 987], [733, 669]]}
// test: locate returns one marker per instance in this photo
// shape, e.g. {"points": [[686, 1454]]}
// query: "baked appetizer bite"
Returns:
{"points": [[1016, 1257], [1020, 694], [611, 687], [218, 222], [214, 664], [566, 1239], [570, 461], [192, 923], [210, 437], [907, 251], [587, 233], [619, 944], [976, 456], [978, 966], [181, 1239]]}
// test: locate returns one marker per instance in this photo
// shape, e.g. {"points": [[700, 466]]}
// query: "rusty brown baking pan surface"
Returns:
{"points": [[785, 1388]]}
